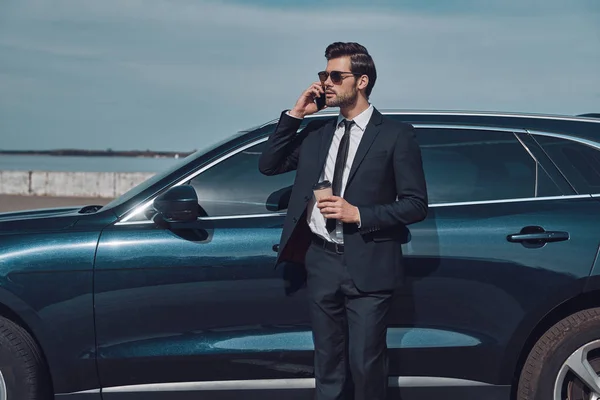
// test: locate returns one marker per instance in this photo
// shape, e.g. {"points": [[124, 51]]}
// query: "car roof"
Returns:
{"points": [[497, 115], [588, 117]]}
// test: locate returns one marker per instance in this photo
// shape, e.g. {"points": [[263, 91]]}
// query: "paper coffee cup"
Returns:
{"points": [[322, 189]]}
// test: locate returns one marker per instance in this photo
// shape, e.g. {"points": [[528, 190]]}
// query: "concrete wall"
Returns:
{"points": [[69, 184]]}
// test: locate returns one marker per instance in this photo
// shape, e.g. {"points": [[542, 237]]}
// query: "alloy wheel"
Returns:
{"points": [[578, 378], [2, 387]]}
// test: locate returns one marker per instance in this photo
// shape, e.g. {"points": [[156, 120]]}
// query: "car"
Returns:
{"points": [[170, 291]]}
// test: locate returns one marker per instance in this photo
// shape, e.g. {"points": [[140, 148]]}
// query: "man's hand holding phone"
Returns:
{"points": [[306, 104]]}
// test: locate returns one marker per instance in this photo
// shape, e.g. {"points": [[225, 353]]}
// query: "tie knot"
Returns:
{"points": [[347, 123]]}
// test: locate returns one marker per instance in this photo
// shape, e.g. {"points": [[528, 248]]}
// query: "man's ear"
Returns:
{"points": [[363, 82]]}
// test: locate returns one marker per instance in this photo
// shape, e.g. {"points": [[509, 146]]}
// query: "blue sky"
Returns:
{"points": [[178, 74]]}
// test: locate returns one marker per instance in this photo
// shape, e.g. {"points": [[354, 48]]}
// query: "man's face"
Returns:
{"points": [[345, 93]]}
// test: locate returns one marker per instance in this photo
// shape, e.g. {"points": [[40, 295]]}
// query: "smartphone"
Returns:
{"points": [[320, 100]]}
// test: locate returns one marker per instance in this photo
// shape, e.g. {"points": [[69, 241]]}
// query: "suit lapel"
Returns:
{"points": [[369, 136]]}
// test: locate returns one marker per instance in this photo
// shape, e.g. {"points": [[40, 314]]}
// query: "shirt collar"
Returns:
{"points": [[361, 120]]}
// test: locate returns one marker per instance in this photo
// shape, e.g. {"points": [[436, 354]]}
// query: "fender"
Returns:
{"points": [[593, 282], [535, 324]]}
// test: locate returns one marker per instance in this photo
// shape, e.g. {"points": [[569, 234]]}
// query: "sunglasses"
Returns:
{"points": [[336, 76]]}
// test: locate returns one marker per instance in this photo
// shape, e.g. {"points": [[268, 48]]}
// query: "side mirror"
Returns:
{"points": [[178, 204], [279, 199]]}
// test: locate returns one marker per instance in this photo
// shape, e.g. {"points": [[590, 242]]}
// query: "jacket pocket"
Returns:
{"points": [[382, 238]]}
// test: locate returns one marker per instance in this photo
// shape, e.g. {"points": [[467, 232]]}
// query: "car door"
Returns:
{"points": [[180, 309], [505, 240]]}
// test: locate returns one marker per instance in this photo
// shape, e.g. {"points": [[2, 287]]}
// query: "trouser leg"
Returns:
{"points": [[329, 325], [367, 345]]}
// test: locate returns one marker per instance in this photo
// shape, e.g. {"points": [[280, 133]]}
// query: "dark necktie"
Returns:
{"points": [[340, 163]]}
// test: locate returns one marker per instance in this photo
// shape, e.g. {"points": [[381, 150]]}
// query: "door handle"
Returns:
{"points": [[546, 237]]}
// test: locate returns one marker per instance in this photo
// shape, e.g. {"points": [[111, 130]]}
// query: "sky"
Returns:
{"points": [[180, 74]]}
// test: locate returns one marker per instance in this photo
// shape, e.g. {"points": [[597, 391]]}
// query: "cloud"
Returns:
{"points": [[176, 74]]}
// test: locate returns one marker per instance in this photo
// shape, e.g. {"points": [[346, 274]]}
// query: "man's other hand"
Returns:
{"points": [[334, 207]]}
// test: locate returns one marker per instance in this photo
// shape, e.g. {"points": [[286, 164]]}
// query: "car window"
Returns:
{"points": [[476, 165], [235, 186], [579, 163]]}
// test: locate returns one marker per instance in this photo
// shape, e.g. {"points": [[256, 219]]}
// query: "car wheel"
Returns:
{"points": [[564, 364], [22, 371]]}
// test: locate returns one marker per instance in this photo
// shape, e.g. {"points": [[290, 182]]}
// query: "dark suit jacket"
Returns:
{"points": [[386, 183]]}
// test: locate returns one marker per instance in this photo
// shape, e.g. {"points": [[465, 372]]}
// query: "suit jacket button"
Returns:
{"points": [[295, 219], [307, 198]]}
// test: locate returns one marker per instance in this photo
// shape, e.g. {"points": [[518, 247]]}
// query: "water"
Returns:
{"points": [[84, 164]]}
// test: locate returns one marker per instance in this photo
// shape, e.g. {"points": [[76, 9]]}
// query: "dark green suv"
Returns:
{"points": [[170, 291]]}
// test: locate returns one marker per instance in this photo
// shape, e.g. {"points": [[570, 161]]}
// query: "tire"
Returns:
{"points": [[565, 362], [23, 374]]}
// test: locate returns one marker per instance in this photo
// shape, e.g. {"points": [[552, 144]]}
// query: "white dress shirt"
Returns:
{"points": [[316, 220]]}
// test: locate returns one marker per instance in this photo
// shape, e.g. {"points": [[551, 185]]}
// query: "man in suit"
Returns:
{"points": [[350, 243]]}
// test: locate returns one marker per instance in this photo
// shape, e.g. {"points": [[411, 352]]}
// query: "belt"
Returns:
{"points": [[327, 245]]}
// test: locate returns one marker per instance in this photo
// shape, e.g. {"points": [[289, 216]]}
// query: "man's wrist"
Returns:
{"points": [[295, 114]]}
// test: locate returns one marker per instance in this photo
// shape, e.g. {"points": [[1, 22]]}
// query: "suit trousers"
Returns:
{"points": [[349, 330]]}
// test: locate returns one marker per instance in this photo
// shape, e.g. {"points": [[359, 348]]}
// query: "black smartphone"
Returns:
{"points": [[320, 100]]}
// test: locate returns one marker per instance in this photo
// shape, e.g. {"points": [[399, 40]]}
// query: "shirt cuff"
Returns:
{"points": [[357, 210], [288, 113]]}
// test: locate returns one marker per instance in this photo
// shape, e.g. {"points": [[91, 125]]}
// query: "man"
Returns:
{"points": [[350, 242]]}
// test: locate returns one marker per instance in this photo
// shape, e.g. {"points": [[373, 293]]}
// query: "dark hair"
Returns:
{"points": [[360, 60]]}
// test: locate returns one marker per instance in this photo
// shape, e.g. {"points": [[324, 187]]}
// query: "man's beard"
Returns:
{"points": [[345, 100]]}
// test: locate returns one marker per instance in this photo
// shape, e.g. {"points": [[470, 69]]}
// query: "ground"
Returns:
{"points": [[15, 202]]}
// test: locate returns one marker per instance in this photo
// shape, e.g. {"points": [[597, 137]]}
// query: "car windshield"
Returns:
{"points": [[160, 175]]}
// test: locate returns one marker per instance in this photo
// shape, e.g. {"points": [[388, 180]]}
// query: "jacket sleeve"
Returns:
{"points": [[283, 147], [411, 204]]}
